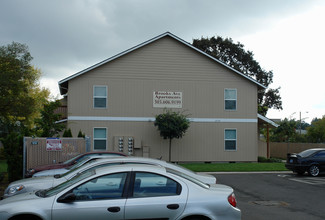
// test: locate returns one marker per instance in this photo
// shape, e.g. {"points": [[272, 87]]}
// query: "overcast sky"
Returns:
{"points": [[286, 36]]}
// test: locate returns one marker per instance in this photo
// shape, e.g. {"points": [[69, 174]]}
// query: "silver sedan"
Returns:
{"points": [[129, 191], [45, 182]]}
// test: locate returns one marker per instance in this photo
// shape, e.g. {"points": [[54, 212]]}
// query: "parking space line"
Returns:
{"points": [[310, 180]]}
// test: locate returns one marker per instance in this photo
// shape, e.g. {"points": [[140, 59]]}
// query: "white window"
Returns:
{"points": [[100, 96], [100, 138], [230, 99], [230, 139]]}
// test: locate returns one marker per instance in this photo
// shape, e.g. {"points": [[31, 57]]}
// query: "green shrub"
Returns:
{"points": [[13, 148], [67, 133], [80, 134], [2, 153]]}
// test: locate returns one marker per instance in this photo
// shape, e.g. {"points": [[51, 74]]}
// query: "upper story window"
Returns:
{"points": [[230, 99], [100, 96]]}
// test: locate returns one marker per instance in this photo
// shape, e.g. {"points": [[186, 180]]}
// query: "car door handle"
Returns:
{"points": [[114, 209], [173, 206]]}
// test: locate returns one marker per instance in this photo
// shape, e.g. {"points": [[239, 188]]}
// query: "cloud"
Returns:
{"points": [[65, 37]]}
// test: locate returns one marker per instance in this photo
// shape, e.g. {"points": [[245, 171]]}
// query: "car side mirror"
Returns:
{"points": [[67, 198]]}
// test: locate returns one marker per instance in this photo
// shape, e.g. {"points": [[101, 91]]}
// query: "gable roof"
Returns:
{"points": [[63, 84]]}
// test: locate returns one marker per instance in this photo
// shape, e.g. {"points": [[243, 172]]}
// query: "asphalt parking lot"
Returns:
{"points": [[279, 195]]}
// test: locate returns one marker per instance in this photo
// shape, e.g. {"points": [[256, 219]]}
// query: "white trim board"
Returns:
{"points": [[151, 119]]}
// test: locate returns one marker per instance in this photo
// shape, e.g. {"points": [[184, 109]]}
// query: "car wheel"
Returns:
{"points": [[313, 170]]}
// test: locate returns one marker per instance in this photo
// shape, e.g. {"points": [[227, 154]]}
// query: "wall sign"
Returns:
{"points": [[167, 99], [53, 144]]}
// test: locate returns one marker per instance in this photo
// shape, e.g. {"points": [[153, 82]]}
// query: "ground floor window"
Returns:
{"points": [[100, 138], [230, 139]]}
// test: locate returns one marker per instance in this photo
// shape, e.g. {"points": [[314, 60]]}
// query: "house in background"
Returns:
{"points": [[115, 103]]}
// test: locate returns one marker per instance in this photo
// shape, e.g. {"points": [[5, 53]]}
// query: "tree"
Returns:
{"points": [[67, 133], [235, 56], [18, 81], [81, 135], [285, 132], [171, 125], [47, 125], [13, 148], [316, 132], [20, 98]]}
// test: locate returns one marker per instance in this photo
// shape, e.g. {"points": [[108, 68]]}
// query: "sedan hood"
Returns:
{"points": [[50, 166], [26, 203], [50, 172], [29, 181], [20, 197], [31, 184]]}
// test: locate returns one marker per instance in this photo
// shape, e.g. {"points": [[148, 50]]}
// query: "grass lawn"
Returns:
{"points": [[235, 167]]}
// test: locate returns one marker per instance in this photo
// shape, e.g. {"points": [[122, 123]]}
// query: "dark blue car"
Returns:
{"points": [[311, 161]]}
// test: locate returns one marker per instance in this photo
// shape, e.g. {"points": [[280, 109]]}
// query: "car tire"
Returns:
{"points": [[313, 170], [25, 217]]}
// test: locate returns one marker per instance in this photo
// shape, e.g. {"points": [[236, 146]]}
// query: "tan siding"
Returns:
{"points": [[167, 65], [132, 79], [202, 142]]}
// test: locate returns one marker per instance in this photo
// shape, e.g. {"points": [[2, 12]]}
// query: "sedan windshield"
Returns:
{"points": [[74, 168], [70, 160], [64, 185], [78, 164]]}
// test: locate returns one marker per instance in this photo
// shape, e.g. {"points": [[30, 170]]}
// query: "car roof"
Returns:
{"points": [[132, 158], [130, 167], [103, 152], [103, 156], [317, 149]]}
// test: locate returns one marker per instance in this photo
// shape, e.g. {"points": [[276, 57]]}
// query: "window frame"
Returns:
{"points": [[94, 139], [236, 141], [124, 188], [235, 99], [132, 188], [94, 97]]}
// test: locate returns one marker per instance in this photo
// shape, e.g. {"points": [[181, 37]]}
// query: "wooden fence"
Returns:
{"points": [[36, 152], [280, 150]]}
